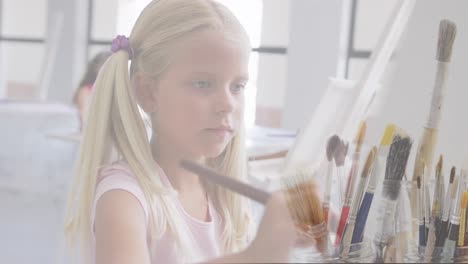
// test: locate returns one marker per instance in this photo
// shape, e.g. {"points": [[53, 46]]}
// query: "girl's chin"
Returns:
{"points": [[215, 151], [214, 148]]}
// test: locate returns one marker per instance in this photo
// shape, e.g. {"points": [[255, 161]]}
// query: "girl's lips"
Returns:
{"points": [[227, 129], [220, 132]]}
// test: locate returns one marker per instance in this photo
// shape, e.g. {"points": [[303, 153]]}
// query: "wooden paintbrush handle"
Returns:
{"points": [[438, 95], [425, 154], [461, 233], [279, 154], [229, 183], [391, 252]]}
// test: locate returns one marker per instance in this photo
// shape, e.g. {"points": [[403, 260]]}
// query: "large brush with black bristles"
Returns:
{"points": [[395, 170]]}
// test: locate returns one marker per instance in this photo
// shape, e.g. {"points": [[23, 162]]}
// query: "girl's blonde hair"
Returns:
{"points": [[91, 73], [115, 125]]}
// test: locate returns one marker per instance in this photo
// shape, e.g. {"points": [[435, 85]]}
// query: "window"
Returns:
{"points": [[368, 19], [22, 47]]}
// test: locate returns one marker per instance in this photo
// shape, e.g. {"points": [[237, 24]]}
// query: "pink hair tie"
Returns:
{"points": [[122, 43]]}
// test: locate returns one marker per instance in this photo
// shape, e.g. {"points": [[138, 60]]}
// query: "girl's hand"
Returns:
{"points": [[276, 234]]}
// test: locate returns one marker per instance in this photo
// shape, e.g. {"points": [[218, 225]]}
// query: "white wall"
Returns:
{"points": [[410, 88], [371, 17], [275, 24], [272, 67], [313, 54]]}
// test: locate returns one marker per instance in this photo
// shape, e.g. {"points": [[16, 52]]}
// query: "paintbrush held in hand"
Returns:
{"points": [[428, 141], [303, 202], [305, 207]]}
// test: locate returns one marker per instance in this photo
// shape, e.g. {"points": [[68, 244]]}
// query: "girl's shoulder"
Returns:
{"points": [[119, 176], [119, 169]]}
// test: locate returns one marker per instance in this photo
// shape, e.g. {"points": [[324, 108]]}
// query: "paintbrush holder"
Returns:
{"points": [[315, 246], [417, 254], [359, 253], [388, 225], [385, 215], [313, 235]]}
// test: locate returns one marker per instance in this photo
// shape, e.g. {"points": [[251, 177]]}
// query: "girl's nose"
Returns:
{"points": [[225, 101]]}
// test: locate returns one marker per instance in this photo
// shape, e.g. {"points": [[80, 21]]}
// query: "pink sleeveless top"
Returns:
{"points": [[207, 235]]}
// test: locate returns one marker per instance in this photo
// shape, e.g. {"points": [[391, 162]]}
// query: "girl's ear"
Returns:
{"points": [[145, 92]]}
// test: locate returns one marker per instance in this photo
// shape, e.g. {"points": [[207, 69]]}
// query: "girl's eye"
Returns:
{"points": [[201, 84], [238, 88]]}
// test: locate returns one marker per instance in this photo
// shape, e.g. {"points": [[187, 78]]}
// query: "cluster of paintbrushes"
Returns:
{"points": [[392, 154], [395, 146], [437, 233]]}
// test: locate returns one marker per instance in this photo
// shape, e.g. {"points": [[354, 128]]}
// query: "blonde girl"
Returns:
{"points": [[130, 201]]}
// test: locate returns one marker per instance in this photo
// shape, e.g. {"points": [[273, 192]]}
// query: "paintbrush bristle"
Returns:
{"points": [[370, 160], [447, 34], [398, 157], [452, 174], [396, 166], [360, 136], [340, 153], [332, 145], [388, 135], [418, 182], [303, 200], [306, 208], [439, 166]]}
